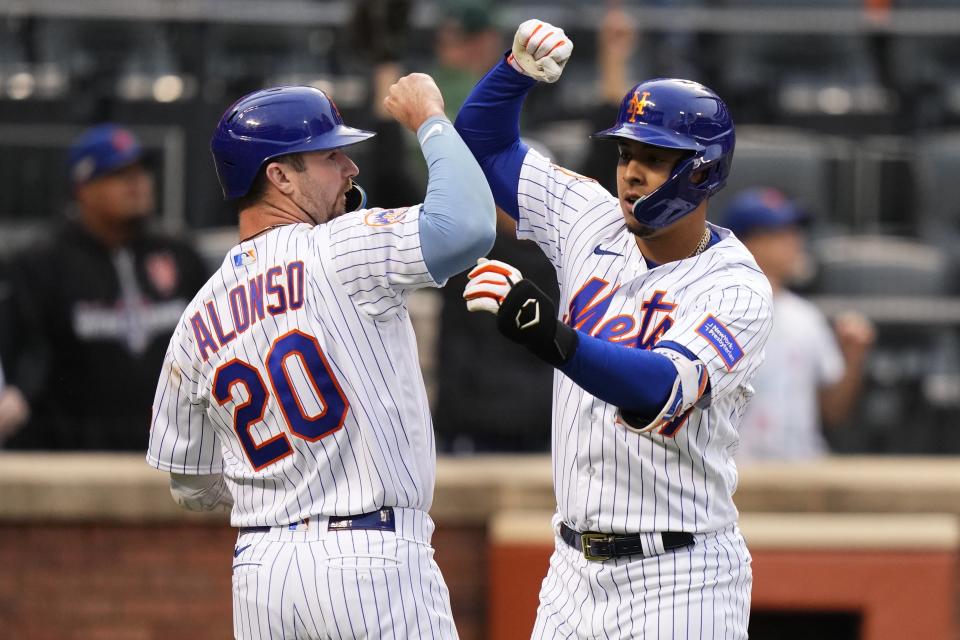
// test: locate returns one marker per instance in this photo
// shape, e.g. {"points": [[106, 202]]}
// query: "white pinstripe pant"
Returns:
{"points": [[311, 583], [699, 592]]}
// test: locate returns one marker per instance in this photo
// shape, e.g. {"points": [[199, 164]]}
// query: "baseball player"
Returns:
{"points": [[661, 323], [291, 388]]}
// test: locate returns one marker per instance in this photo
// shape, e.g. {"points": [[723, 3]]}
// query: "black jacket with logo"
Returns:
{"points": [[100, 321]]}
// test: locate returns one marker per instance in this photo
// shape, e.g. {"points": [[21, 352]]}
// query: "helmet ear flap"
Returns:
{"points": [[715, 176]]}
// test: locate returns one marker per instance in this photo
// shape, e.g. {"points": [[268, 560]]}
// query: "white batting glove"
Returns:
{"points": [[490, 282], [540, 50]]}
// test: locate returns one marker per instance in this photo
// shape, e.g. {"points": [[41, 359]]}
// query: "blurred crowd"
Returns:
{"points": [[87, 309]]}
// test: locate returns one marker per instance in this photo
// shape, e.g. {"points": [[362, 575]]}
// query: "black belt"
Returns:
{"points": [[604, 546], [379, 520]]}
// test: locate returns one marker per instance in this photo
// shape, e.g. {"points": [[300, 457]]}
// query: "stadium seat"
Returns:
{"points": [[938, 189], [789, 77], [881, 266], [247, 57], [913, 371], [803, 164]]}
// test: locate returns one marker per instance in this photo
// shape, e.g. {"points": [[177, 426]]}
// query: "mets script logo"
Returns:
{"points": [[590, 304], [384, 217], [637, 105]]}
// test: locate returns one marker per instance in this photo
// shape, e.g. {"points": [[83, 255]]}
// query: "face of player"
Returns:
{"points": [[320, 190], [641, 169], [779, 253], [120, 197]]}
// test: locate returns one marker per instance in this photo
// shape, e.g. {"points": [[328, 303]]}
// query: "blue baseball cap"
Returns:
{"points": [[101, 150], [763, 209]]}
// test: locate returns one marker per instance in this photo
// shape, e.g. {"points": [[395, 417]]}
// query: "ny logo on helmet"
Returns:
{"points": [[637, 105]]}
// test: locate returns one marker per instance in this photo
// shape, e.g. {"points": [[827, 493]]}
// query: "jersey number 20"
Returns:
{"points": [[295, 344]]}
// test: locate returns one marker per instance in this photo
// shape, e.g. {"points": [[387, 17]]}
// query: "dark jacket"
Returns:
{"points": [[493, 395], [99, 322]]}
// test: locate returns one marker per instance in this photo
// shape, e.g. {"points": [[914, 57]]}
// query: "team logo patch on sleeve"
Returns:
{"points": [[722, 340], [385, 217]]}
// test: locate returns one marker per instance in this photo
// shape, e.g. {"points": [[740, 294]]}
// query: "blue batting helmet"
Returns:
{"points": [[274, 122], [678, 114]]}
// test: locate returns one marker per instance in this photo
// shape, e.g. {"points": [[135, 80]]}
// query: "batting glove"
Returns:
{"points": [[490, 282], [540, 50], [525, 314]]}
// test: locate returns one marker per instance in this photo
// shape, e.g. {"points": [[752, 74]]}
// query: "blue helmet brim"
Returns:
{"points": [[338, 137], [650, 134]]}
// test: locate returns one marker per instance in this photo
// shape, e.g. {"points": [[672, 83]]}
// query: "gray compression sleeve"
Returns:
{"points": [[458, 218]]}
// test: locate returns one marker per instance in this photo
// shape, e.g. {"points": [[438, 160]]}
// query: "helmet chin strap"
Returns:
{"points": [[356, 198]]}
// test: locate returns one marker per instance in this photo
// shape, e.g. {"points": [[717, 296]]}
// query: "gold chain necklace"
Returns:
{"points": [[702, 245]]}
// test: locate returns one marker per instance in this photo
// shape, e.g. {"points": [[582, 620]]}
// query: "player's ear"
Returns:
{"points": [[278, 175]]}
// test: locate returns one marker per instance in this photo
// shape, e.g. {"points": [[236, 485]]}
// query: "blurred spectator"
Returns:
{"points": [[481, 377], [101, 298], [392, 178], [379, 32], [467, 45], [810, 375], [14, 409], [616, 43]]}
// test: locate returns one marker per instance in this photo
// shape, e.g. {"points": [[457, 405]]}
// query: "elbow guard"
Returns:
{"points": [[690, 391]]}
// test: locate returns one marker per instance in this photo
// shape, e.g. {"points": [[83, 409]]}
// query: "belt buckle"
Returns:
{"points": [[587, 538]]}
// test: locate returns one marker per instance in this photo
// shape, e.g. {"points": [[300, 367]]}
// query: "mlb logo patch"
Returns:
{"points": [[722, 340], [245, 257], [384, 217]]}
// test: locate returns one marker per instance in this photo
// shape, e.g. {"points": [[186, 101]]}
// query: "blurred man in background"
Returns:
{"points": [[812, 374], [99, 301], [467, 44], [14, 409]]}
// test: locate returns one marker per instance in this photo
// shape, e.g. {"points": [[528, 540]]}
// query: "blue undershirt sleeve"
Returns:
{"points": [[489, 122], [635, 380], [458, 222]]}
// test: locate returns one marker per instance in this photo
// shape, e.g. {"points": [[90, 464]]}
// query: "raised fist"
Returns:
{"points": [[540, 50], [413, 99]]}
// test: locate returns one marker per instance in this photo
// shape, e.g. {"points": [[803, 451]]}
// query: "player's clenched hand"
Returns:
{"points": [[540, 50], [490, 282], [412, 99], [525, 314]]}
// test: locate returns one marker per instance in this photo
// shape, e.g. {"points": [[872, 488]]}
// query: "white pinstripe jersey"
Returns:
{"points": [[294, 372], [717, 305]]}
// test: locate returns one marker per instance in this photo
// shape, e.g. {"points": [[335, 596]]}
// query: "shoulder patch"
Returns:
{"points": [[722, 340], [384, 217]]}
